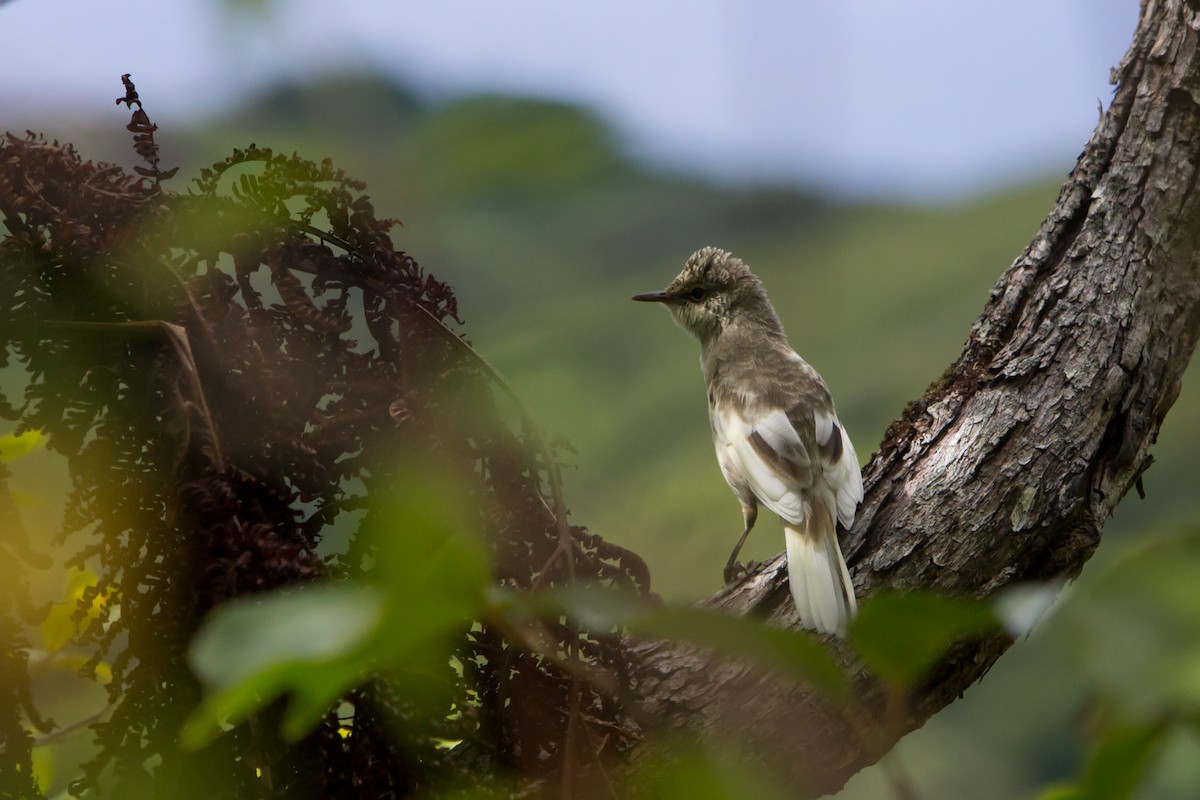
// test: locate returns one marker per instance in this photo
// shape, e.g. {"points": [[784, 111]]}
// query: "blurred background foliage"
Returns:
{"points": [[545, 228]]}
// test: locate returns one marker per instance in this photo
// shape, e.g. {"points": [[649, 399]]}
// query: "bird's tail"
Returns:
{"points": [[817, 574]]}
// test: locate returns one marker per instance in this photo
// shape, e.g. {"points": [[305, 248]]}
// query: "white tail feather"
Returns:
{"points": [[817, 575]]}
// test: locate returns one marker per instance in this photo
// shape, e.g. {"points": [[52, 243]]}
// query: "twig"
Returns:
{"points": [[897, 776], [67, 730], [568, 784]]}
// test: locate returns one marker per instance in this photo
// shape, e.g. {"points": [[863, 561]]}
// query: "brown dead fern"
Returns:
{"points": [[230, 373]]}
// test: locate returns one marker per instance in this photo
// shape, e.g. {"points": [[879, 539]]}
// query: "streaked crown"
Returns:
{"points": [[715, 290]]}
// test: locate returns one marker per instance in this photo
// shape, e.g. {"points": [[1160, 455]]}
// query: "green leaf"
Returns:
{"points": [[1061, 793], [59, 627], [1133, 629], [900, 636], [304, 642], [43, 768], [1117, 766], [713, 771], [435, 566], [13, 446], [1121, 761], [313, 623], [315, 643], [796, 655], [74, 664]]}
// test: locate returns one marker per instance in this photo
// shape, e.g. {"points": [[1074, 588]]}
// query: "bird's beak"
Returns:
{"points": [[652, 297]]}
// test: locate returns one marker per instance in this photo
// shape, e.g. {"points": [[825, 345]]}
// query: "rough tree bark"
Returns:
{"points": [[1007, 468]]}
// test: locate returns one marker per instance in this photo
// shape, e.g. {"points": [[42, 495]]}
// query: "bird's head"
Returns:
{"points": [[714, 290]]}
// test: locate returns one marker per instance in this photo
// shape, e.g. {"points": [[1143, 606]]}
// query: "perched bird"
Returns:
{"points": [[777, 435]]}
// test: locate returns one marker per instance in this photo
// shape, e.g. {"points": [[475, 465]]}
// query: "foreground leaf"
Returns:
{"points": [[796, 655], [715, 771], [311, 642], [1117, 766], [316, 643], [1133, 629], [14, 446], [901, 636]]}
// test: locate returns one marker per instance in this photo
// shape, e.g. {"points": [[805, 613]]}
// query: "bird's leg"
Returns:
{"points": [[734, 570]]}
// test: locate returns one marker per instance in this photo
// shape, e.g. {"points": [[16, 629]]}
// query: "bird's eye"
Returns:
{"points": [[697, 293]]}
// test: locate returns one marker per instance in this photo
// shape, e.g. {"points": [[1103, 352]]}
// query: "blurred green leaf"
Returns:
{"points": [[311, 642], [795, 655], [791, 653], [1133, 630], [74, 664], [1060, 793], [690, 771], [1120, 762], [315, 643], [433, 562], [1117, 766], [43, 768], [900, 636], [311, 624], [13, 446], [59, 627]]}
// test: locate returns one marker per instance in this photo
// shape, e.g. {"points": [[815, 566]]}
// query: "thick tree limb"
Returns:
{"points": [[1008, 467]]}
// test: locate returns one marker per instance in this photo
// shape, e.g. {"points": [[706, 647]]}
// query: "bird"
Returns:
{"points": [[778, 438]]}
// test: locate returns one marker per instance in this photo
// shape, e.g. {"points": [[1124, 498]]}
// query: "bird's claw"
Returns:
{"points": [[738, 570]]}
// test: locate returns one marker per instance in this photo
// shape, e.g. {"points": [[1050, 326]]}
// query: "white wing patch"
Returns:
{"points": [[846, 481], [744, 468], [843, 476], [788, 495], [824, 422]]}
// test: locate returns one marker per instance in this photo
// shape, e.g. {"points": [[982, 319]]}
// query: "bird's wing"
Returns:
{"points": [[786, 445], [767, 455], [810, 405], [839, 462], [772, 453]]}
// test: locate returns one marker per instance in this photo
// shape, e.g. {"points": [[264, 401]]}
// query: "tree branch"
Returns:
{"points": [[1007, 468]]}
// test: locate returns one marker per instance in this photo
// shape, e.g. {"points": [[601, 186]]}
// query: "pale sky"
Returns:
{"points": [[925, 98]]}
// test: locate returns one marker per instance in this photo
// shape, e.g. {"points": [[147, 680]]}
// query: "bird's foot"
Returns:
{"points": [[738, 570]]}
